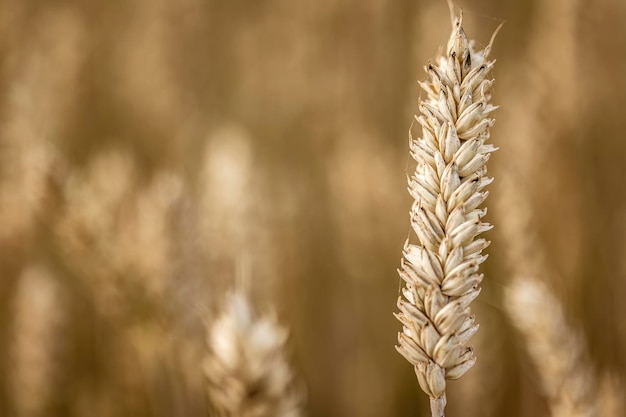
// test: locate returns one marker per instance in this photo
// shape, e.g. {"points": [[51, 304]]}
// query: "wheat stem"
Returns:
{"points": [[437, 406], [440, 271]]}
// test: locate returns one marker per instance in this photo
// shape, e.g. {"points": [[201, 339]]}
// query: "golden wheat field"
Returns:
{"points": [[156, 156]]}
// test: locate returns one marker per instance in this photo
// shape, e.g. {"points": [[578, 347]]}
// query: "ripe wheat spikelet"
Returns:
{"points": [[441, 271], [556, 349], [247, 374]]}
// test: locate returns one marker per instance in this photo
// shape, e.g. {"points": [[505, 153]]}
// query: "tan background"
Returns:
{"points": [[153, 153]]}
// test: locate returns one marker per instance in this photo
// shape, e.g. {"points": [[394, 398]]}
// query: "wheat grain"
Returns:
{"points": [[441, 271], [247, 374], [556, 349]]}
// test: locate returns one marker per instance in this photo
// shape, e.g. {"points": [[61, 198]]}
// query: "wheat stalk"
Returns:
{"points": [[38, 325], [37, 103], [247, 374], [440, 272], [557, 350], [116, 234]]}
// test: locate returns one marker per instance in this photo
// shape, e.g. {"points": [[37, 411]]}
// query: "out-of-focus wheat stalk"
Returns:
{"points": [[227, 195], [114, 233], [38, 319], [557, 350], [247, 374], [611, 396], [114, 236], [542, 109], [441, 271], [38, 101], [234, 223]]}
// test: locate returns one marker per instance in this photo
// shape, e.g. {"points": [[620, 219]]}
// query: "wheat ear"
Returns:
{"points": [[557, 350], [440, 272], [247, 374]]}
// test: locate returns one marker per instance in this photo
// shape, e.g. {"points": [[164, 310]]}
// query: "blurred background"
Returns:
{"points": [[154, 153]]}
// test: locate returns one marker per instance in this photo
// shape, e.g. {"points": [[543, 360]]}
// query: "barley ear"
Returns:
{"points": [[441, 270]]}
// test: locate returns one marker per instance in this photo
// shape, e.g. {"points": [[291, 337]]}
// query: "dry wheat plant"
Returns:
{"points": [[155, 152], [441, 272], [246, 371], [558, 352]]}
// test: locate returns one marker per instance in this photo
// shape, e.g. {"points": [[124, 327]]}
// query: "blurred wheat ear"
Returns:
{"points": [[246, 370], [558, 351], [440, 271], [39, 322]]}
